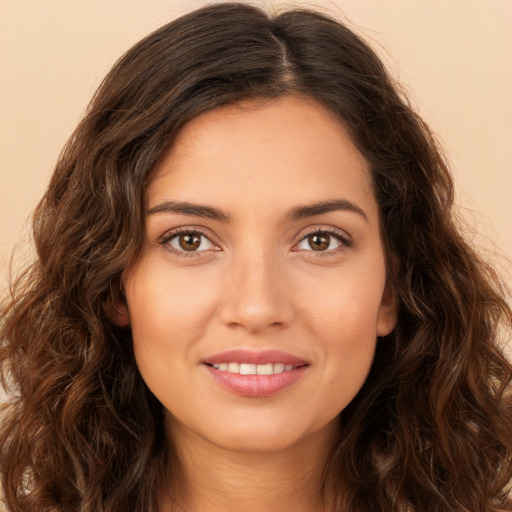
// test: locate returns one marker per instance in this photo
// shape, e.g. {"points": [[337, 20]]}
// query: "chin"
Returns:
{"points": [[257, 441], [260, 434]]}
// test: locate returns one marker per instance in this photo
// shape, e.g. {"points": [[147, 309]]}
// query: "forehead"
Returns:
{"points": [[284, 150]]}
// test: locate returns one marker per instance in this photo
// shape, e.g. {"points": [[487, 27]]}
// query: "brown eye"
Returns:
{"points": [[189, 242], [319, 241], [324, 241]]}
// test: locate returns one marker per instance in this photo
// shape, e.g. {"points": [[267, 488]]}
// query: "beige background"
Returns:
{"points": [[455, 56]]}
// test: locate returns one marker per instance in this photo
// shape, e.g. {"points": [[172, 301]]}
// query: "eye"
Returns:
{"points": [[323, 241], [188, 242]]}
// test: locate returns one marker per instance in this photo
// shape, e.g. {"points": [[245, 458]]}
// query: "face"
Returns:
{"points": [[257, 300]]}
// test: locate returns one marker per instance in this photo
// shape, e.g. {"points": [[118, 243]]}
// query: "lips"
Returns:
{"points": [[255, 374]]}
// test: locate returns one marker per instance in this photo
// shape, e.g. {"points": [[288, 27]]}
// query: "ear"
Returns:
{"points": [[388, 312], [117, 310], [119, 314]]}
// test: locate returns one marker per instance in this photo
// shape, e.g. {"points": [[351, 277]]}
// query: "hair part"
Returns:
{"points": [[437, 398]]}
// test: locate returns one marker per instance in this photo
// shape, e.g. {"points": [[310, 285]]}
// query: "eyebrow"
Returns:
{"points": [[300, 212], [195, 210], [297, 213]]}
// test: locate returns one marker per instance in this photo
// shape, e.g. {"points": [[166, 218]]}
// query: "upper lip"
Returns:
{"points": [[255, 357]]}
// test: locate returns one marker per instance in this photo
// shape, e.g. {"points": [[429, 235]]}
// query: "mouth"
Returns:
{"points": [[255, 369], [256, 374]]}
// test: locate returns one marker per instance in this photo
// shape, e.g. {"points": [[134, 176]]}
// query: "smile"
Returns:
{"points": [[254, 369], [255, 373]]}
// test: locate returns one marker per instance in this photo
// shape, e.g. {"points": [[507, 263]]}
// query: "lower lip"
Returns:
{"points": [[256, 385]]}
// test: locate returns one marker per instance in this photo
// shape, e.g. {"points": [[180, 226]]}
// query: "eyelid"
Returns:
{"points": [[164, 239], [341, 235]]}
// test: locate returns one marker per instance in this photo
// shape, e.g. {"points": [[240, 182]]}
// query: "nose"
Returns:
{"points": [[257, 296]]}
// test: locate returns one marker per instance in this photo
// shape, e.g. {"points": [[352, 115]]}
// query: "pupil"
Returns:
{"points": [[319, 242], [190, 242]]}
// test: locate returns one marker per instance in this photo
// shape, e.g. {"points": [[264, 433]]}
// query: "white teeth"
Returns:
{"points": [[278, 368], [247, 369], [253, 369], [233, 368], [265, 369]]}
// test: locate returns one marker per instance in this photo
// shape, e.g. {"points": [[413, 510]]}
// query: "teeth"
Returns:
{"points": [[233, 368], [253, 369], [247, 369], [278, 368], [265, 369]]}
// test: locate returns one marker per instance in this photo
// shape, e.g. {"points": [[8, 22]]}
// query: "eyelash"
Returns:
{"points": [[167, 237], [344, 240]]}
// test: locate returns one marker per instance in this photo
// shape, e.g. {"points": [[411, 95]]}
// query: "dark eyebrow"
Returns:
{"points": [[194, 210], [300, 212]]}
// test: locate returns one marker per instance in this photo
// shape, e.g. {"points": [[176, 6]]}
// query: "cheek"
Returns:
{"points": [[343, 318], [344, 304], [349, 338], [169, 312], [167, 302]]}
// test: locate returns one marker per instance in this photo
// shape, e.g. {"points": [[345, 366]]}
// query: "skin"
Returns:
{"points": [[255, 282]]}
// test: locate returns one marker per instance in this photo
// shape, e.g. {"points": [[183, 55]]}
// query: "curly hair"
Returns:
{"points": [[431, 428]]}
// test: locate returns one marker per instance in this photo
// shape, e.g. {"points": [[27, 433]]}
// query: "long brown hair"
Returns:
{"points": [[431, 430]]}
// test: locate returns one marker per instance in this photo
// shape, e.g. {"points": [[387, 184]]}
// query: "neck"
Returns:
{"points": [[214, 479]]}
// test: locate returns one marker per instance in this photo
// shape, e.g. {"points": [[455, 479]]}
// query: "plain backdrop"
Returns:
{"points": [[454, 57]]}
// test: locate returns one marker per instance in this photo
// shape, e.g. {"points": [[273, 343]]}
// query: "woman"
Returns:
{"points": [[250, 293]]}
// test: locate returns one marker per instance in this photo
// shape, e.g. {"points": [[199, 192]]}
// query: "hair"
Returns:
{"points": [[431, 428]]}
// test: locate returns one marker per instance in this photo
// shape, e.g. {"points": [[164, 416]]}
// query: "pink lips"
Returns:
{"points": [[256, 385]]}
